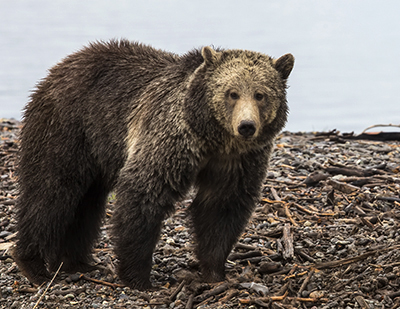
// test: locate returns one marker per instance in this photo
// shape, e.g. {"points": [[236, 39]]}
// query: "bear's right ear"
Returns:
{"points": [[210, 56]]}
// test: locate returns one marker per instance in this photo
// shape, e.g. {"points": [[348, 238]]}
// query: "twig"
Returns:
{"points": [[343, 187], [301, 299], [211, 293], [245, 255], [288, 251], [112, 285], [288, 214], [229, 294], [304, 255], [263, 299], [189, 304], [275, 194], [332, 264], [177, 290], [361, 301], [388, 199], [50, 283], [205, 301], [311, 212], [381, 125], [386, 265], [295, 275], [305, 282]]}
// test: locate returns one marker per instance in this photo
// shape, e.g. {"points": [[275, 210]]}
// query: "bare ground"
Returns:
{"points": [[324, 235]]}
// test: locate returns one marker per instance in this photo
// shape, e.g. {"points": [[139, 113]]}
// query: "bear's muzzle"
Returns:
{"points": [[247, 128]]}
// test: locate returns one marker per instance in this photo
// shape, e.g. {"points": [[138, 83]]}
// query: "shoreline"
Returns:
{"points": [[325, 234]]}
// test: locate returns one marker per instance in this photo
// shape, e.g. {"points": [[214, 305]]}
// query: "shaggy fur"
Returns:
{"points": [[150, 125]]}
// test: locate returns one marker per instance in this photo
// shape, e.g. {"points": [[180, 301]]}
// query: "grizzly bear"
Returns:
{"points": [[149, 125]]}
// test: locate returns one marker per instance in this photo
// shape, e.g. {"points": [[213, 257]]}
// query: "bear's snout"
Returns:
{"points": [[247, 128]]}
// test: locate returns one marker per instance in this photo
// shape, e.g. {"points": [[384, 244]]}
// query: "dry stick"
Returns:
{"points": [[342, 186], [305, 282], [269, 298], [272, 201], [361, 301], [288, 214], [113, 285], [302, 208], [311, 212], [214, 291], [261, 301], [295, 275], [50, 283], [177, 290], [229, 294], [302, 299], [288, 251], [338, 263], [285, 205], [189, 304], [357, 258], [204, 301], [386, 265], [275, 194], [388, 198], [380, 125]]}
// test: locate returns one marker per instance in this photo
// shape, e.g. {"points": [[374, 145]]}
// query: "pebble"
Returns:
{"points": [[4, 234]]}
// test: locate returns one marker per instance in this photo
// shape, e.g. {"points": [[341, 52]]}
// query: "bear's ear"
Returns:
{"points": [[210, 56], [284, 65]]}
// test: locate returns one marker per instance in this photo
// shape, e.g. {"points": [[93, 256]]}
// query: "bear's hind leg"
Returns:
{"points": [[31, 264], [82, 232], [42, 221]]}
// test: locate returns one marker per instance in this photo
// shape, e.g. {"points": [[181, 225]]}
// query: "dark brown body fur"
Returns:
{"points": [[126, 117]]}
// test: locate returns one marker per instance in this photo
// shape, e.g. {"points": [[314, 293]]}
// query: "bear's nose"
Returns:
{"points": [[247, 128]]}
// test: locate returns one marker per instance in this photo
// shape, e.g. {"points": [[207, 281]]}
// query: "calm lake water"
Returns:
{"points": [[347, 71]]}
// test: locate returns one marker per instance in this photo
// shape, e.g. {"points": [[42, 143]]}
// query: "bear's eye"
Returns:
{"points": [[259, 96], [234, 95]]}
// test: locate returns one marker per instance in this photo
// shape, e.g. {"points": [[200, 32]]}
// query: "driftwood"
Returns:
{"points": [[379, 136], [334, 135]]}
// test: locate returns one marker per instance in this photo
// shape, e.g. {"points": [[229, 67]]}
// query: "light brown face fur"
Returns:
{"points": [[246, 89]]}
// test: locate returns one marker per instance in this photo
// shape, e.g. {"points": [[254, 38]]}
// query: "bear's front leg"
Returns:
{"points": [[136, 232], [144, 200], [228, 189]]}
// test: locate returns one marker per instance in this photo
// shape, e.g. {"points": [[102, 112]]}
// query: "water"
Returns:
{"points": [[347, 71]]}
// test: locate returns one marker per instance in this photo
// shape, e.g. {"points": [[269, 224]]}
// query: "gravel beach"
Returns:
{"points": [[325, 234]]}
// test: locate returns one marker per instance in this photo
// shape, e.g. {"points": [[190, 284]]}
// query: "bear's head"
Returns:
{"points": [[246, 91]]}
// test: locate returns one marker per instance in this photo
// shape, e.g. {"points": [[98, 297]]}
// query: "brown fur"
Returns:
{"points": [[150, 125]]}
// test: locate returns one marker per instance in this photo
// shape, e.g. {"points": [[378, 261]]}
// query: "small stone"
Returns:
{"points": [[320, 255], [170, 241], [4, 234], [74, 277], [317, 294]]}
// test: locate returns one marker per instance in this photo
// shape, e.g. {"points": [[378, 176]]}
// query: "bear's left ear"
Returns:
{"points": [[210, 56], [284, 65]]}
